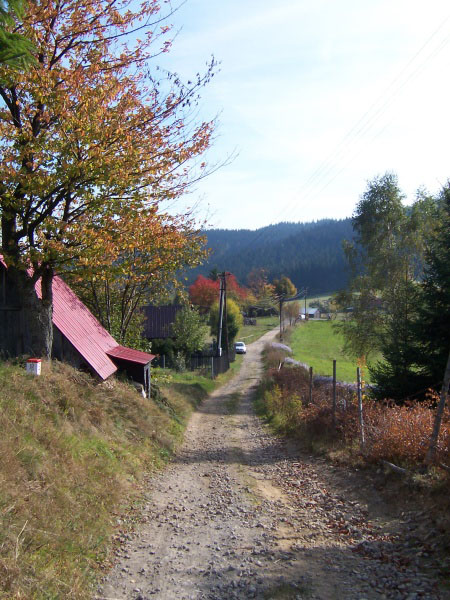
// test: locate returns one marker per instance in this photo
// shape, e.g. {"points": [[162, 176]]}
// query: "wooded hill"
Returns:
{"points": [[310, 254]]}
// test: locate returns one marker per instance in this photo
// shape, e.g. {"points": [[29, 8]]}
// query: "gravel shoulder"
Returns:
{"points": [[240, 514]]}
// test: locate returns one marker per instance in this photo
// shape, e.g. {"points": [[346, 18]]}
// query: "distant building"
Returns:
{"points": [[78, 338], [311, 313]]}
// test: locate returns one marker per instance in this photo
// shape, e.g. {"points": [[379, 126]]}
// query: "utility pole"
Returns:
{"points": [[225, 336], [223, 325], [219, 333], [280, 299]]}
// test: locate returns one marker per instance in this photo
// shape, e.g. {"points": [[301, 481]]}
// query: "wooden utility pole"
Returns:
{"points": [[225, 318], [219, 333], [334, 394], [281, 317]]}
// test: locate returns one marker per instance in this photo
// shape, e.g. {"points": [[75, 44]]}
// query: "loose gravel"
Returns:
{"points": [[240, 514]]}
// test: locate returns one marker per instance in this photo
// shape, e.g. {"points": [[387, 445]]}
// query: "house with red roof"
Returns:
{"points": [[78, 337]]}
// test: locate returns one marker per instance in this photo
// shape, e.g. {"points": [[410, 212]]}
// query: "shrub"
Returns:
{"points": [[394, 433]]}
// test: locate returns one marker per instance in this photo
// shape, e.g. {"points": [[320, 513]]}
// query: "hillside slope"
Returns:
{"points": [[73, 454], [310, 254]]}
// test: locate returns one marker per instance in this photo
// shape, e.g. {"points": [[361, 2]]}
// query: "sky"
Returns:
{"points": [[313, 100]]}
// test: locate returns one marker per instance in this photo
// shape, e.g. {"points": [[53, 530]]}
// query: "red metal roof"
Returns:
{"points": [[90, 338], [136, 356], [76, 322]]}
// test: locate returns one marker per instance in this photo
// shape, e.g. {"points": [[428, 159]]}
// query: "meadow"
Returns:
{"points": [[318, 343]]}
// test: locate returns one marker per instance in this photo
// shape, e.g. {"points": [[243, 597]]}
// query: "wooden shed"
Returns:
{"points": [[311, 313], [159, 321], [78, 337]]}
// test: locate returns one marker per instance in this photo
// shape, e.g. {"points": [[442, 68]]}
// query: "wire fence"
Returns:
{"points": [[205, 363]]}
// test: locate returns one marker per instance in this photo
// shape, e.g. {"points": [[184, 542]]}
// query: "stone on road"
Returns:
{"points": [[237, 514]]}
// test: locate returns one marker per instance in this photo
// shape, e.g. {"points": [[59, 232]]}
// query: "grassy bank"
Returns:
{"points": [[73, 456], [317, 343]]}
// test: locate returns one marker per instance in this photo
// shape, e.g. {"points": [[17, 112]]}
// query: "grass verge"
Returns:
{"points": [[73, 458]]}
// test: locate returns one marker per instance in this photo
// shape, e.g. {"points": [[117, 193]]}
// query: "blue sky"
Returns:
{"points": [[316, 98]]}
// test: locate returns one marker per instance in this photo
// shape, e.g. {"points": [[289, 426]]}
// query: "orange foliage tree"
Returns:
{"points": [[115, 280], [92, 136]]}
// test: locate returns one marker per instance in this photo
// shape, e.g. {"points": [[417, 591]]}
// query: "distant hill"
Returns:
{"points": [[310, 254]]}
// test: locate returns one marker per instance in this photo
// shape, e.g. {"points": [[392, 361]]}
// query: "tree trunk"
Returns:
{"points": [[37, 313], [439, 413]]}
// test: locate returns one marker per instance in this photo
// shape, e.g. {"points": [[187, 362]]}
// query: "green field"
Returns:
{"points": [[317, 344], [250, 333], [321, 298]]}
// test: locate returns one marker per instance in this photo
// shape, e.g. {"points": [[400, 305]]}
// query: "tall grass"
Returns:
{"points": [[73, 454]]}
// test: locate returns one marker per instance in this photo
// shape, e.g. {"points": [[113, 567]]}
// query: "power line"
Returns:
{"points": [[327, 169]]}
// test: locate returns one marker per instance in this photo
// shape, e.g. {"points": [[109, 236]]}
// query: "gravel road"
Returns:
{"points": [[240, 514]]}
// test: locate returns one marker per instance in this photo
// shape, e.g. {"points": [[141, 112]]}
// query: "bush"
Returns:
{"points": [[398, 434]]}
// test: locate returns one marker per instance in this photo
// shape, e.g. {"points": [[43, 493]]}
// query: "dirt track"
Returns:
{"points": [[239, 514]]}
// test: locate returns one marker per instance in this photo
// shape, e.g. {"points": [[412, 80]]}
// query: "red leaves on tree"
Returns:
{"points": [[204, 292]]}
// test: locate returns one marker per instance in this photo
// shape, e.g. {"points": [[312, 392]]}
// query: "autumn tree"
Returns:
{"points": [[234, 320], [431, 330], [292, 311], [284, 287], [146, 270], [204, 292], [415, 345], [262, 290], [91, 135], [257, 281], [189, 331], [386, 258], [235, 291]]}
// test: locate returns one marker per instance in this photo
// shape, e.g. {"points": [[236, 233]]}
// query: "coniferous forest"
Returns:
{"points": [[310, 254]]}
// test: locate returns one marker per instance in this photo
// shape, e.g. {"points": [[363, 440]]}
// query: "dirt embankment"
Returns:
{"points": [[240, 514]]}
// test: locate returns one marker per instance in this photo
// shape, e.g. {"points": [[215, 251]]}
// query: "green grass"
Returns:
{"points": [[250, 333], [317, 343], [200, 383], [73, 457], [313, 299]]}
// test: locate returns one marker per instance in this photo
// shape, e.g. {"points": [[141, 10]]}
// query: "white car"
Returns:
{"points": [[240, 348]]}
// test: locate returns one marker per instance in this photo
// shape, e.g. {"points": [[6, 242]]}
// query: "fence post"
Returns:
{"points": [[310, 384], [334, 394], [360, 409], [212, 367]]}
